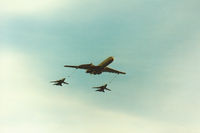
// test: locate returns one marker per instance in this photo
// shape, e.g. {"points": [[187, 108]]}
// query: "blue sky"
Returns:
{"points": [[155, 42]]}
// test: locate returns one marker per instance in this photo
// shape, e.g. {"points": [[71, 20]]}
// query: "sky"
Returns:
{"points": [[156, 42]]}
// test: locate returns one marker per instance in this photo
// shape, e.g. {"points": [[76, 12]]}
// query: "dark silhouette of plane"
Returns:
{"points": [[102, 67], [59, 82], [102, 88]]}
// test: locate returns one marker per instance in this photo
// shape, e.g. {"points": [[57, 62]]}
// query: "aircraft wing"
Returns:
{"points": [[65, 83], [95, 87], [108, 89], [107, 69], [54, 81], [84, 66]]}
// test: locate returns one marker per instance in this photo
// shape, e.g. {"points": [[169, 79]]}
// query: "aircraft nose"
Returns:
{"points": [[111, 58]]}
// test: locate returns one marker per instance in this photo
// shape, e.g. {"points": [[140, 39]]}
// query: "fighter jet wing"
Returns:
{"points": [[108, 89], [95, 87], [84, 66], [107, 69], [54, 81], [57, 84], [65, 83]]}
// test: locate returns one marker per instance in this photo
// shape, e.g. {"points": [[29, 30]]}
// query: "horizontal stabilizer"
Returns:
{"points": [[107, 69], [70, 66]]}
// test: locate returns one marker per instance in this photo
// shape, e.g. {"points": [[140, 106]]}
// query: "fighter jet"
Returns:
{"points": [[59, 82], [102, 67], [102, 88]]}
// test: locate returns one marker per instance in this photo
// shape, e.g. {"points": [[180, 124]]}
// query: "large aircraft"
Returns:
{"points": [[102, 67], [102, 88], [59, 82]]}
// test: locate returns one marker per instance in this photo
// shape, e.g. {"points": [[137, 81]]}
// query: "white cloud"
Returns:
{"points": [[29, 7]]}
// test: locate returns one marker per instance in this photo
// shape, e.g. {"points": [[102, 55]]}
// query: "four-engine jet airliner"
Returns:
{"points": [[102, 67], [102, 88], [59, 82]]}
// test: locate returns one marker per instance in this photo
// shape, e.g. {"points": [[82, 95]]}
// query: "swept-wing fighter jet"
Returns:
{"points": [[102, 67], [102, 88], [59, 82]]}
